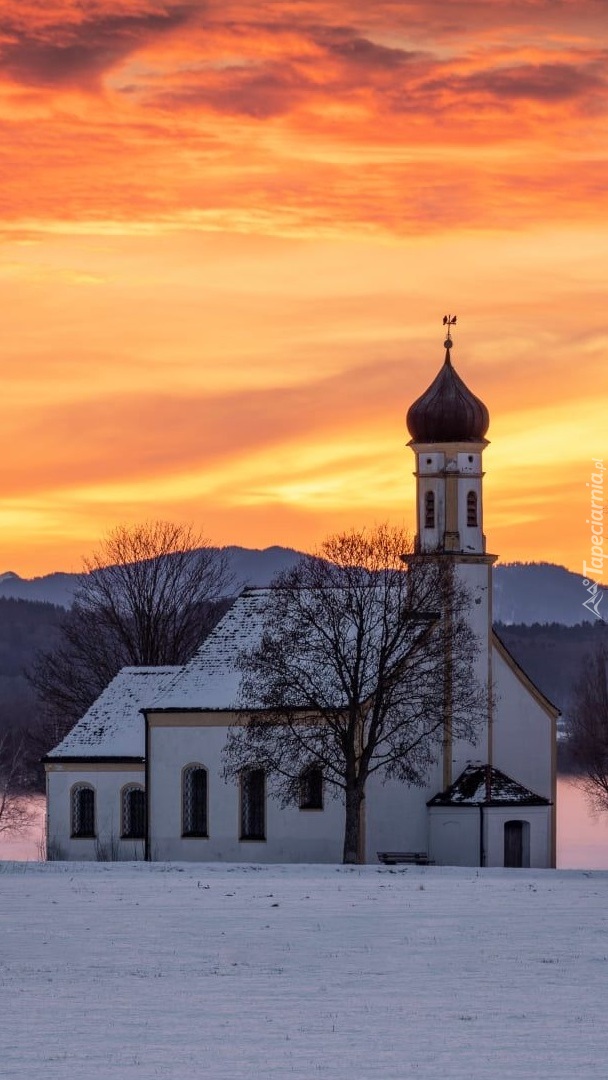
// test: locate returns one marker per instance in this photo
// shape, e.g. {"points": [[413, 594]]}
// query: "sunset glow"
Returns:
{"points": [[230, 232]]}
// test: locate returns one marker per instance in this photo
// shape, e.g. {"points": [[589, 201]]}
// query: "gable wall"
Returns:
{"points": [[523, 734], [107, 781]]}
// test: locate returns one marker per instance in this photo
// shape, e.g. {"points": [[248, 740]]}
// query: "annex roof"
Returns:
{"points": [[114, 726], [470, 789]]}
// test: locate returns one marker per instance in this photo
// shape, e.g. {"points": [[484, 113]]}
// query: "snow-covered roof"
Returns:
{"points": [[212, 678], [470, 789], [114, 725]]}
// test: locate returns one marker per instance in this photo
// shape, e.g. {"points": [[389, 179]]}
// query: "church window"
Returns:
{"points": [[311, 789], [253, 804], [517, 844], [194, 801], [472, 509], [133, 812], [429, 510], [82, 811]]}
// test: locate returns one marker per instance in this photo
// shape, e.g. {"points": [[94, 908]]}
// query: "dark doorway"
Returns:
{"points": [[517, 844]]}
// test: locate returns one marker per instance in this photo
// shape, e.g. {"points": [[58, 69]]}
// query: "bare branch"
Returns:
{"points": [[148, 596], [16, 811]]}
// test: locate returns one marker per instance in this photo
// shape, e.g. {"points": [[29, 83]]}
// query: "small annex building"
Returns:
{"points": [[141, 774]]}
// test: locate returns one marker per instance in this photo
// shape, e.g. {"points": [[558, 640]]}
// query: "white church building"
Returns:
{"points": [[140, 775]]}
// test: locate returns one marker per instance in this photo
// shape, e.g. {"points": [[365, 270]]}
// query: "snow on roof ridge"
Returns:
{"points": [[148, 669]]}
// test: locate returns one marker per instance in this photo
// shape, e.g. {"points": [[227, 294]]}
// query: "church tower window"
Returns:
{"points": [[194, 801], [429, 510], [472, 509]]}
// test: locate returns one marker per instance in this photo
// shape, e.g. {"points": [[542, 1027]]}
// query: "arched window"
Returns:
{"points": [[133, 812], [429, 510], [517, 843], [311, 789], [472, 508], [253, 804], [194, 801], [82, 811]]}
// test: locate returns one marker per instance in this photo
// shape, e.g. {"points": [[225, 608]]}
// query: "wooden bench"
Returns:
{"points": [[415, 858]]}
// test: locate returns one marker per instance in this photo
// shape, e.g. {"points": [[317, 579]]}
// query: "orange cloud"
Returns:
{"points": [[229, 231]]}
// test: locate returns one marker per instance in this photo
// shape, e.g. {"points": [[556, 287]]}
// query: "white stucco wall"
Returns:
{"points": [[454, 835], [292, 835], [539, 819], [396, 816], [107, 783]]}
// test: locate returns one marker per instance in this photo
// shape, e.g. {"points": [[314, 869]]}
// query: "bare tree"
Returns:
{"points": [[363, 667], [588, 726], [16, 811], [148, 596]]}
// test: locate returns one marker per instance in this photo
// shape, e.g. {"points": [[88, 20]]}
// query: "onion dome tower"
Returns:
{"points": [[448, 424]]}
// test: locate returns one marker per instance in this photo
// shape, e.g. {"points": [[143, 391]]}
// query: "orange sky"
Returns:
{"points": [[230, 231]]}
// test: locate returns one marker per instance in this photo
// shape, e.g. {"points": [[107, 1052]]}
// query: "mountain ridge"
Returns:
{"points": [[523, 592]]}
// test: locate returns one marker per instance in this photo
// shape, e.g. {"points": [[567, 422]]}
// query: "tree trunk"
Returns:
{"points": [[354, 846]]}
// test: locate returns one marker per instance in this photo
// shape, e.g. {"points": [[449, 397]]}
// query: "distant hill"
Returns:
{"points": [[542, 593], [54, 588], [248, 566], [523, 592]]}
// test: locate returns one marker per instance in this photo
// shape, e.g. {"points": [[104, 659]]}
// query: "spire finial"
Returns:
{"points": [[449, 321]]}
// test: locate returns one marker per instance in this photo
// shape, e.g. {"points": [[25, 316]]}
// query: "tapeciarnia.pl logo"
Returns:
{"points": [[598, 555]]}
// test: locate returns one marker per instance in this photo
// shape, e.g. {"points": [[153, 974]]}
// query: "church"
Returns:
{"points": [[140, 776]]}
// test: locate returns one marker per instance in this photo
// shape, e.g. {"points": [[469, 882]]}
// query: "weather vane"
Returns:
{"points": [[449, 321]]}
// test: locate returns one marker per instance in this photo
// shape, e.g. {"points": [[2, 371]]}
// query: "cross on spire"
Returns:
{"points": [[449, 321]]}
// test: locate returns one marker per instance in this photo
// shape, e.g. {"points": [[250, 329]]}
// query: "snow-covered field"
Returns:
{"points": [[232, 972]]}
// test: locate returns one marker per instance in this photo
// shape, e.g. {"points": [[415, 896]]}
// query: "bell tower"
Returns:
{"points": [[448, 425]]}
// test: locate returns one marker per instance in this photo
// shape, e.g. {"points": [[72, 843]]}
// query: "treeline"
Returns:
{"points": [[27, 627]]}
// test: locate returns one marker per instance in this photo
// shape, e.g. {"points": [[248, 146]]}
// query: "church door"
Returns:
{"points": [[517, 844]]}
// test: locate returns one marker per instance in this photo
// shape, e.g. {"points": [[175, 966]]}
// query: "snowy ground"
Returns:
{"points": [[141, 971]]}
